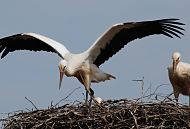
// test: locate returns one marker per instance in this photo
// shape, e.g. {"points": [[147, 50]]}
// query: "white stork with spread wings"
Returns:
{"points": [[85, 66], [179, 75]]}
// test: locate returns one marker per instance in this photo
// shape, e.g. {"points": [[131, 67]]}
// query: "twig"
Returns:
{"points": [[67, 96], [31, 103], [134, 119], [142, 86], [151, 94]]}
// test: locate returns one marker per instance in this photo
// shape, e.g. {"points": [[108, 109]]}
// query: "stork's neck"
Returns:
{"points": [[68, 73], [180, 68]]}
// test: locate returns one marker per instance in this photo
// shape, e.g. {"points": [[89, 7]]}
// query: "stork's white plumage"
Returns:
{"points": [[85, 66], [179, 75]]}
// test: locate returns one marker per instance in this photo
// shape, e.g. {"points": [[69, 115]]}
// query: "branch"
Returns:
{"points": [[31, 103], [67, 96]]}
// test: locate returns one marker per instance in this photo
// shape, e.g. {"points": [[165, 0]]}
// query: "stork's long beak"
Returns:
{"points": [[62, 72], [175, 66]]}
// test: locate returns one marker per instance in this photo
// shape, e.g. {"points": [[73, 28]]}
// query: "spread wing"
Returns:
{"points": [[32, 42], [117, 36]]}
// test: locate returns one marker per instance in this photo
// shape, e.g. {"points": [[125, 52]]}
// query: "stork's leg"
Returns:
{"points": [[88, 89], [176, 95], [86, 79], [91, 96], [176, 100], [86, 101]]}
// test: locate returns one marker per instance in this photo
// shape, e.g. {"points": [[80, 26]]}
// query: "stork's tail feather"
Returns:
{"points": [[109, 76]]}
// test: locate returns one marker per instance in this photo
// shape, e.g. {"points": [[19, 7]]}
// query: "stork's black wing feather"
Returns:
{"points": [[27, 42], [121, 34]]}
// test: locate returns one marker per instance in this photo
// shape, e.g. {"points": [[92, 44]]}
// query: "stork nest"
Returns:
{"points": [[110, 114]]}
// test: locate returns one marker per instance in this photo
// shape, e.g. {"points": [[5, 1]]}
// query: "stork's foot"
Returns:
{"points": [[86, 107], [176, 99], [88, 104], [91, 97]]}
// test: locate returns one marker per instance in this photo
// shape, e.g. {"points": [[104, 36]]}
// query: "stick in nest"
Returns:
{"points": [[31, 103]]}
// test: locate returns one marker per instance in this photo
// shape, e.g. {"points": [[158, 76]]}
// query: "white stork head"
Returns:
{"points": [[176, 59], [62, 68]]}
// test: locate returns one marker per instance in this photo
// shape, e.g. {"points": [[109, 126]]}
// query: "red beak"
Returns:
{"points": [[62, 72], [175, 66]]}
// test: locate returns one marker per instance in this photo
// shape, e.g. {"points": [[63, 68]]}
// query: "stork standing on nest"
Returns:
{"points": [[179, 75], [85, 66]]}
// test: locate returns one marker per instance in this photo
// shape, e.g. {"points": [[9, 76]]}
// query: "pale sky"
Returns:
{"points": [[77, 24]]}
